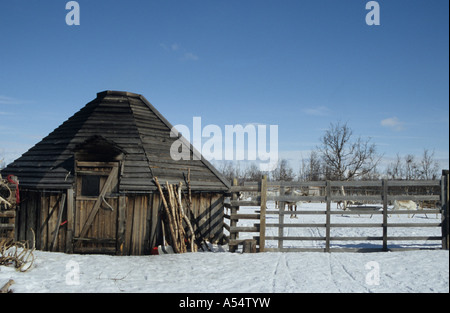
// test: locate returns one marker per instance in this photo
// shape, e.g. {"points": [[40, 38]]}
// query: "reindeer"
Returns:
{"points": [[292, 205], [408, 205]]}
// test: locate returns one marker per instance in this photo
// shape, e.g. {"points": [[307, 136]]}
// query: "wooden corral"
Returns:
{"points": [[88, 187], [381, 192]]}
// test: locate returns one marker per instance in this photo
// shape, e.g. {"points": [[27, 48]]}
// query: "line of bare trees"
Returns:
{"points": [[341, 156]]}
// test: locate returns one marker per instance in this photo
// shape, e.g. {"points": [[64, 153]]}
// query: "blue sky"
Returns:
{"points": [[298, 64]]}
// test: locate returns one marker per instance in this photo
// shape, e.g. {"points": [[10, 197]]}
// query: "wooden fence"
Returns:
{"points": [[7, 224], [376, 196]]}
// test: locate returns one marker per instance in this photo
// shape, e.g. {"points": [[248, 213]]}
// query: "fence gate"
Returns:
{"points": [[261, 208]]}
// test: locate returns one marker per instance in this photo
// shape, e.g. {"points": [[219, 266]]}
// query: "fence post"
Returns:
{"points": [[384, 196], [233, 223], [281, 205], [262, 216], [328, 218], [445, 211]]}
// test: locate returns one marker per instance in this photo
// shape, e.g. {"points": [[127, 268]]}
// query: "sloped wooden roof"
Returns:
{"points": [[132, 126]]}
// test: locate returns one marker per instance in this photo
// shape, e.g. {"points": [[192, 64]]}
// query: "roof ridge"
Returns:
{"points": [[117, 93]]}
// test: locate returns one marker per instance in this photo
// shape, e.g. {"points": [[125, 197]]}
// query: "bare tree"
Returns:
{"points": [[395, 169], [411, 168], [283, 172], [229, 170], [345, 158], [428, 167], [310, 168], [252, 173]]}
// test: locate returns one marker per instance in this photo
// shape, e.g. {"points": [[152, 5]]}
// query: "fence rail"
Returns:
{"points": [[7, 224], [380, 192]]}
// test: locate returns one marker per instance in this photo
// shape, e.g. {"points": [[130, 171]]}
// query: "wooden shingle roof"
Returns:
{"points": [[130, 125]]}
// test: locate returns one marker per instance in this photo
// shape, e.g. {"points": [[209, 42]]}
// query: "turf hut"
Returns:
{"points": [[88, 187]]}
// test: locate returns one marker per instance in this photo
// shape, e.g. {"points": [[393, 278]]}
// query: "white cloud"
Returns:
{"points": [[12, 101], [318, 111], [177, 49], [393, 123], [189, 56]]}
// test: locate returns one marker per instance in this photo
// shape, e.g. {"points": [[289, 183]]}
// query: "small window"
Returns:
{"points": [[90, 186]]}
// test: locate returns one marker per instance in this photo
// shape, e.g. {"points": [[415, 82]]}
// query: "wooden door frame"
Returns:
{"points": [[113, 176]]}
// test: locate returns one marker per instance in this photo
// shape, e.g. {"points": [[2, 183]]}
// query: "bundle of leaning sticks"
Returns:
{"points": [[174, 217]]}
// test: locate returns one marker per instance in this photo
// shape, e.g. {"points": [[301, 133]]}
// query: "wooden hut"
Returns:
{"points": [[88, 186]]}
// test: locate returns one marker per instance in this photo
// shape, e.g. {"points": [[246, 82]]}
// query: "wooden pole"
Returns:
{"points": [[281, 205], [328, 216], [186, 220], [445, 210], [70, 220], [121, 225], [233, 223], [174, 218], [262, 217], [169, 216], [384, 185]]}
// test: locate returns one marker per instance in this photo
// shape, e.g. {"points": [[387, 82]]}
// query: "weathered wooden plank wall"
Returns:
{"points": [[132, 228]]}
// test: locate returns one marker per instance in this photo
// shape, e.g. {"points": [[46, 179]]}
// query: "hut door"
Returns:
{"points": [[96, 207]]}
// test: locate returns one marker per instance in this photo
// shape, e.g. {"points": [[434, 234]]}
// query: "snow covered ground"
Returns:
{"points": [[224, 272]]}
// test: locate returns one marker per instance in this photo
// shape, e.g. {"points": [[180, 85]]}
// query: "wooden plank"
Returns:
{"points": [[328, 216], [282, 224], [43, 229], [414, 197], [421, 183], [281, 207], [8, 214], [121, 220], [293, 198], [361, 183], [312, 212], [290, 238], [244, 188], [70, 221], [295, 250], [330, 225], [244, 229], [62, 203], [445, 182], [245, 203], [407, 238], [129, 225], [414, 224], [385, 216], [155, 219], [7, 226], [233, 235], [335, 198], [138, 222], [245, 217], [217, 215], [262, 220], [54, 200]]}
